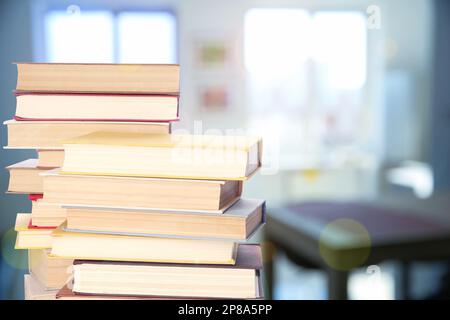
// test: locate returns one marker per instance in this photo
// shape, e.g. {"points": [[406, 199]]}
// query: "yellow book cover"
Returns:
{"points": [[166, 140], [29, 237], [106, 247], [163, 156]]}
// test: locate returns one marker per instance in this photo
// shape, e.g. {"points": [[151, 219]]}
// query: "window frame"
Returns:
{"points": [[373, 87], [40, 8]]}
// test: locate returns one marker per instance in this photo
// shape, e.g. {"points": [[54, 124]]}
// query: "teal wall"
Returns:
{"points": [[15, 45]]}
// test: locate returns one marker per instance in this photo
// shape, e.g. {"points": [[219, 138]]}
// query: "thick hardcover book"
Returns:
{"points": [[238, 222], [66, 293], [35, 290], [47, 214], [29, 237], [248, 256], [96, 107], [52, 272], [95, 246], [48, 135], [24, 177], [99, 78], [50, 158], [163, 156], [137, 192], [238, 281]]}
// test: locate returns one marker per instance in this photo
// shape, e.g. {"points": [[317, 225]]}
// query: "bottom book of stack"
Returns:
{"points": [[35, 290], [143, 280], [47, 275]]}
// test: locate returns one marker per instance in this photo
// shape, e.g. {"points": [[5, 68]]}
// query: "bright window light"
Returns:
{"points": [[278, 40], [307, 71], [275, 39], [85, 37], [147, 37], [339, 46], [107, 37], [363, 286]]}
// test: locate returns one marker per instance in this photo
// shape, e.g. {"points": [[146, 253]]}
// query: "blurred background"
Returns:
{"points": [[350, 96]]}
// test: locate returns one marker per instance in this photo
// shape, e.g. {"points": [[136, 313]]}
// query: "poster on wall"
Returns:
{"points": [[214, 53], [214, 97], [215, 61]]}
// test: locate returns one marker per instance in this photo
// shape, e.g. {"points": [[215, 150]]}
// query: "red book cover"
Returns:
{"points": [[35, 196], [31, 226]]}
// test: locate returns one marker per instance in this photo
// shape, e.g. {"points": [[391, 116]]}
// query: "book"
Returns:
{"points": [[99, 78], [137, 192], [50, 158], [100, 246], [50, 134], [177, 280], [44, 214], [66, 293], [51, 272], [24, 177], [29, 236], [96, 107], [34, 290], [163, 156], [237, 223]]}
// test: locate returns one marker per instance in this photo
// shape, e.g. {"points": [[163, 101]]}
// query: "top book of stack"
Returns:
{"points": [[99, 78], [97, 92]]}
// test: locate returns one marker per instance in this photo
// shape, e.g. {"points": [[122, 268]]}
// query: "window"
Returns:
{"points": [[306, 77], [86, 37], [107, 37], [156, 43]]}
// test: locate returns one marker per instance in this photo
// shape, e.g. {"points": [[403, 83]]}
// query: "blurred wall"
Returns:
{"points": [[15, 45], [407, 84], [440, 122]]}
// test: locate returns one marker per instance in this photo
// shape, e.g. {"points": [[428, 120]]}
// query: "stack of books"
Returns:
{"points": [[56, 102], [128, 210]]}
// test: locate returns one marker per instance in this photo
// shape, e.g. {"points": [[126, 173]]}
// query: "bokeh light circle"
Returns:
{"points": [[17, 259], [344, 244]]}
